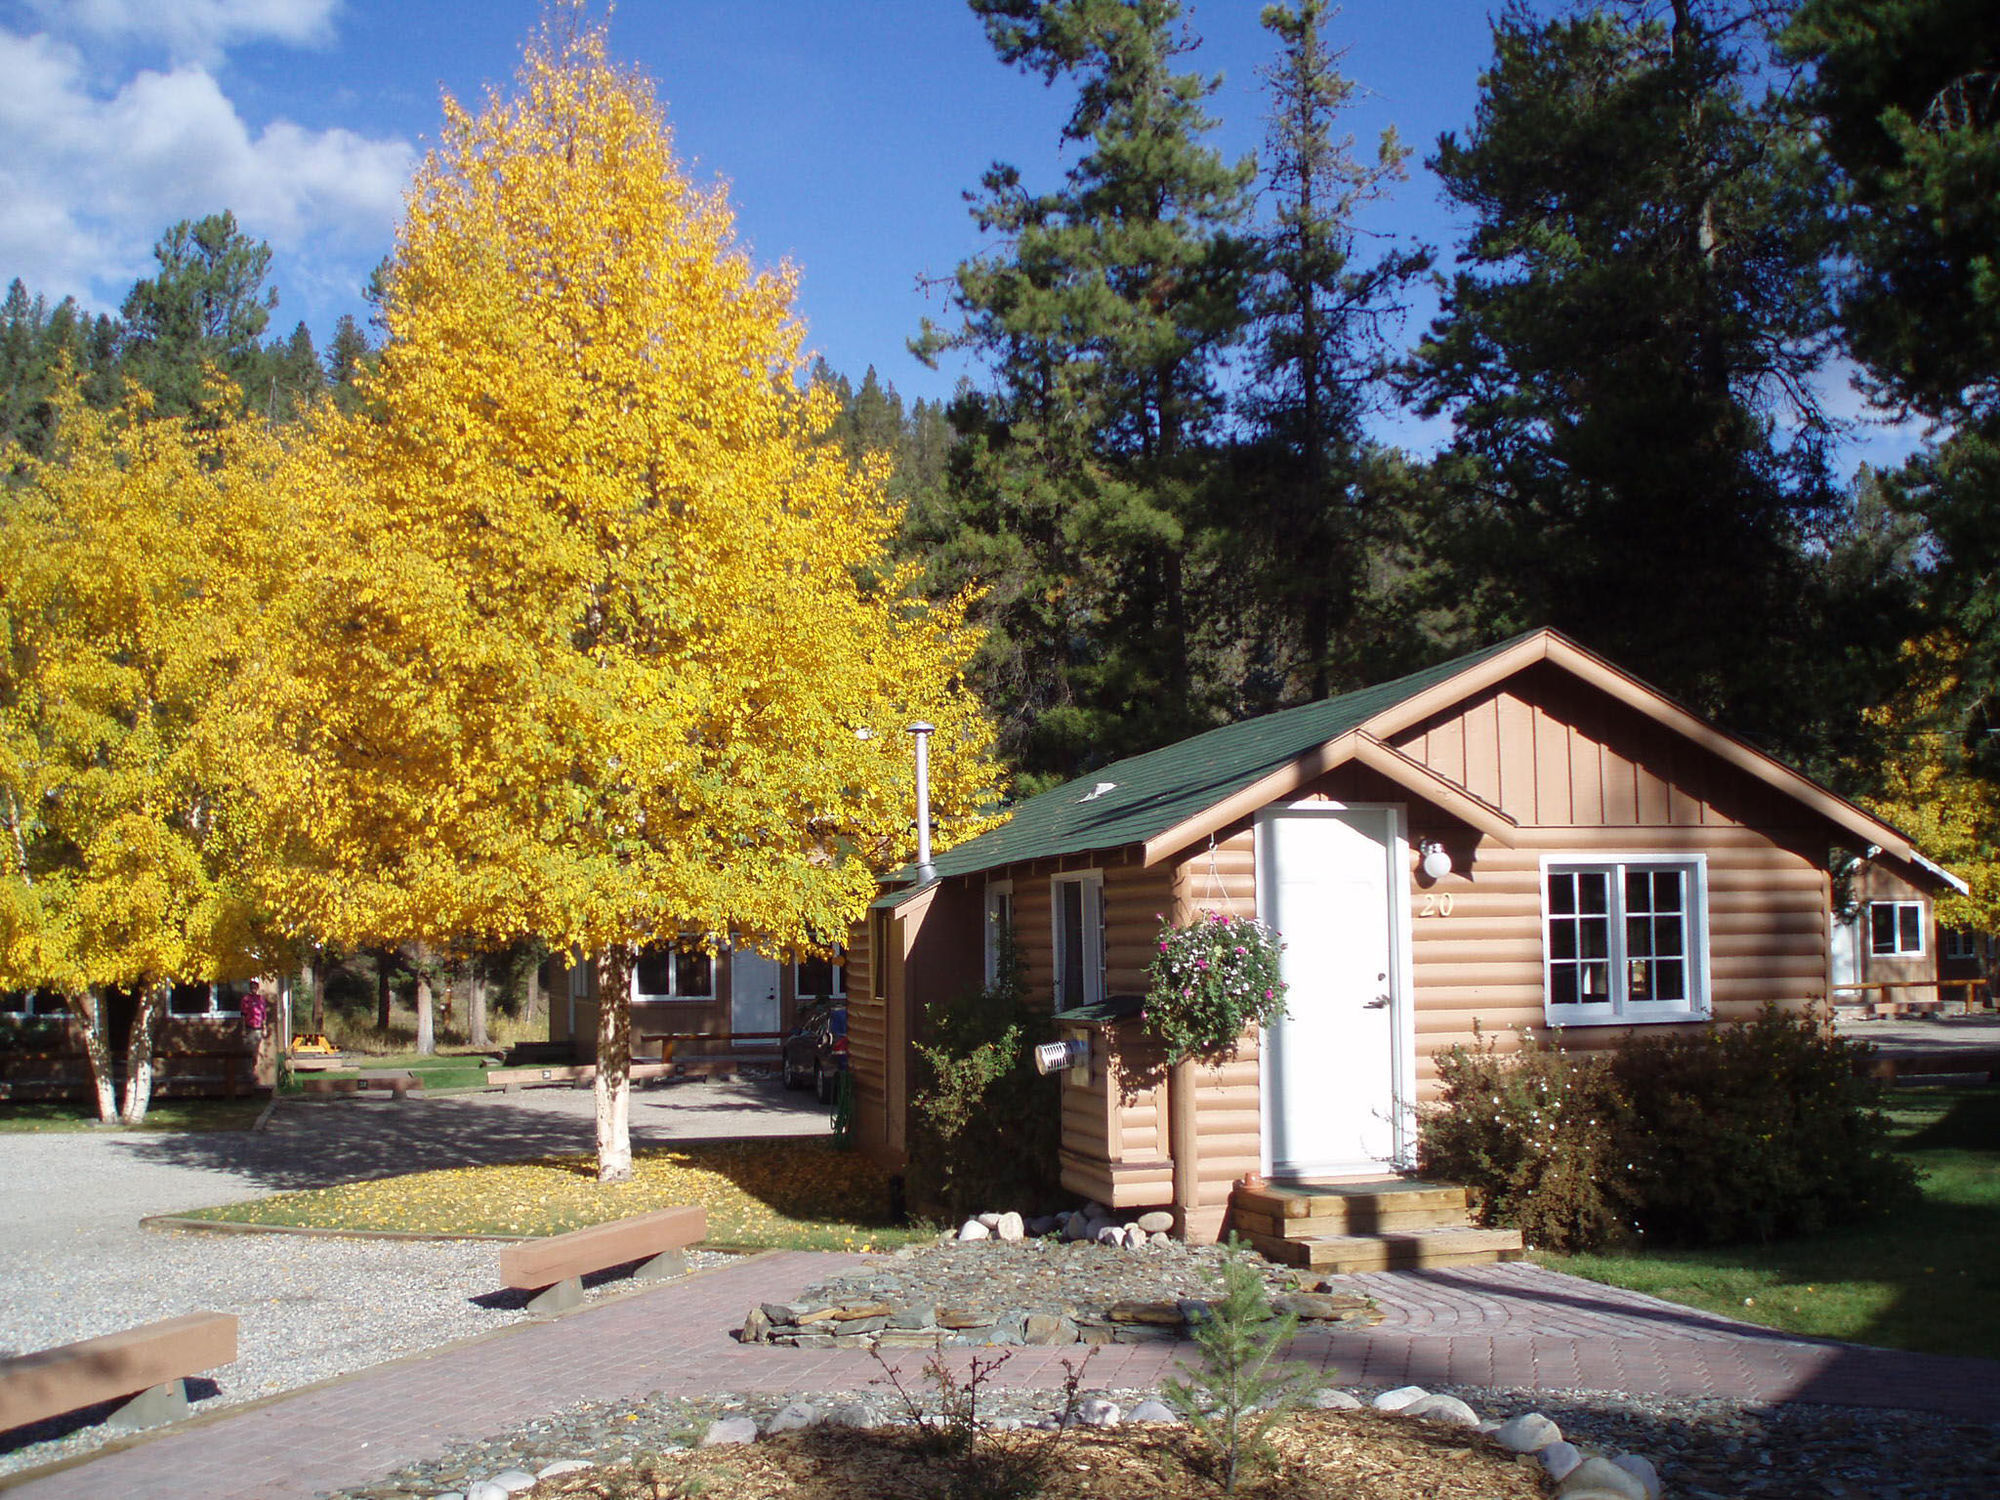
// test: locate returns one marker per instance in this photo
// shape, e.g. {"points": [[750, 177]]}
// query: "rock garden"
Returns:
{"points": [[1078, 1279]]}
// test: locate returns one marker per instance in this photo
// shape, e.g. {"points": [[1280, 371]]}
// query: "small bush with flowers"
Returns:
{"points": [[1210, 980]]}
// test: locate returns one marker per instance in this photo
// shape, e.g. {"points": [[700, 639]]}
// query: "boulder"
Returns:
{"points": [[1152, 1411], [1158, 1239], [1641, 1469], [756, 1327], [563, 1466], [1010, 1228], [1316, 1307], [1332, 1399], [1600, 1479], [1560, 1459], [485, 1489], [854, 1414], [796, 1417], [1443, 1409], [972, 1229], [1528, 1433], [991, 1221], [1076, 1227], [726, 1432], [1400, 1397], [1096, 1411], [1110, 1234], [513, 1481], [1159, 1221]]}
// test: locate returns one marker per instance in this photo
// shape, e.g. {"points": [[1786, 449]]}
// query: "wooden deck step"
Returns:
{"points": [[1401, 1250], [1347, 1208]]}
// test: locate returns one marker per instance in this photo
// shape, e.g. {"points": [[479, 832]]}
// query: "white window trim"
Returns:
{"points": [[995, 890], [1923, 922], [221, 1007], [839, 991], [673, 996], [1699, 1005], [1093, 938]]}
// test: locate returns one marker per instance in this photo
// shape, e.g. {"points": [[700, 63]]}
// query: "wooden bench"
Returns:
{"points": [[554, 1268], [149, 1364]]}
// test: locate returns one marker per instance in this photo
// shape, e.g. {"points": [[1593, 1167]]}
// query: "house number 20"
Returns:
{"points": [[1436, 906]]}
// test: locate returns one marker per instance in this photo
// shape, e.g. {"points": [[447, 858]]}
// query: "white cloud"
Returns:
{"points": [[194, 29], [90, 177]]}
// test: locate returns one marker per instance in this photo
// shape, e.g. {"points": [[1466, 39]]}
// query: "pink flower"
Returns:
{"points": [[1267, 994], [1163, 947]]}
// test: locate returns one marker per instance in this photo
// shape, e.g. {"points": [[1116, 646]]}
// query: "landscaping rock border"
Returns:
{"points": [[1576, 1475]]}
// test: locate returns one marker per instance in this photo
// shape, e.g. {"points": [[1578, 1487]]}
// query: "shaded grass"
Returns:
{"points": [[1927, 1279], [760, 1194], [162, 1115]]}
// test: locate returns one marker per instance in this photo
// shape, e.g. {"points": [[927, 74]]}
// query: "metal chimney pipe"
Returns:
{"points": [[923, 732]]}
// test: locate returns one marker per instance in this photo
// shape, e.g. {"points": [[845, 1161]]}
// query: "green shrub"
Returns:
{"points": [[1756, 1131], [984, 1126], [1531, 1133], [1751, 1131]]}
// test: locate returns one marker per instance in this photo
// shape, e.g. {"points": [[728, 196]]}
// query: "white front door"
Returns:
{"points": [[1326, 882], [753, 994]]}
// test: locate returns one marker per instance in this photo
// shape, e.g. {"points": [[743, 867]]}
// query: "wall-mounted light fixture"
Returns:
{"points": [[1437, 862]]}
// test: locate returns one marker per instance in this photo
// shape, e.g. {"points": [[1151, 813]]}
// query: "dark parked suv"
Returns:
{"points": [[816, 1052]]}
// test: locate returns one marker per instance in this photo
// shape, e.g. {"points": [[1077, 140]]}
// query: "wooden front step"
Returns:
{"points": [[1401, 1250], [1382, 1225], [1347, 1208]]}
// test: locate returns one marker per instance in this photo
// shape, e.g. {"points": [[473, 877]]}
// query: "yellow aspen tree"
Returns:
{"points": [[1927, 787], [134, 554], [600, 643]]}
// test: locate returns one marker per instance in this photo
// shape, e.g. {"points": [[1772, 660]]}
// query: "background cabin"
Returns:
{"points": [[737, 992]]}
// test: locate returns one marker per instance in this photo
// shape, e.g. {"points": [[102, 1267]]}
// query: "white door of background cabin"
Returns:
{"points": [[1325, 881], [753, 994]]}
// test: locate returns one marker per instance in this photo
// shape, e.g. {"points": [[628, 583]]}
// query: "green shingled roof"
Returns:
{"points": [[1148, 794]]}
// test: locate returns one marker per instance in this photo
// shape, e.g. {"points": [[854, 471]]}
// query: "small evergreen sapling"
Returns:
{"points": [[1241, 1389]]}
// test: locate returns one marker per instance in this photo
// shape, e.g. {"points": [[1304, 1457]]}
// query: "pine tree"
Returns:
{"points": [[347, 358], [1629, 355], [1318, 353], [1106, 317], [207, 305]]}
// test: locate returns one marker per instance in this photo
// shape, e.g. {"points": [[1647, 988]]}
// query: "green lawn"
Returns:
{"points": [[1927, 1279], [162, 1115], [442, 1070]]}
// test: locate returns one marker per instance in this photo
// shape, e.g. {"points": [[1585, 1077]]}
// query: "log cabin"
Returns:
{"points": [[1524, 839]]}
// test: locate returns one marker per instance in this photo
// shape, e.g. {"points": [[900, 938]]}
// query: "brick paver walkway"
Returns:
{"points": [[1514, 1325]]}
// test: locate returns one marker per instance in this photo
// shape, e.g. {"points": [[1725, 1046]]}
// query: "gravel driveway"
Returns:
{"points": [[75, 1263]]}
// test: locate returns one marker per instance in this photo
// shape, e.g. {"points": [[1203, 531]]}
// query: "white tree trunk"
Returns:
{"points": [[139, 1052], [614, 1065], [87, 1010], [426, 1022], [475, 1011]]}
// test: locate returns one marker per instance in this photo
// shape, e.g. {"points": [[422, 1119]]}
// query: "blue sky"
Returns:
{"points": [[847, 131]]}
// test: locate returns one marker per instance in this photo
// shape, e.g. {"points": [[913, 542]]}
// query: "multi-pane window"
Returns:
{"points": [[1077, 915], [30, 1003], [206, 999], [1959, 944], [822, 978], [673, 974], [1895, 928], [999, 924], [1624, 941]]}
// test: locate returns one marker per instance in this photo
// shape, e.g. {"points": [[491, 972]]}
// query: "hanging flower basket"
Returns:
{"points": [[1210, 980]]}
